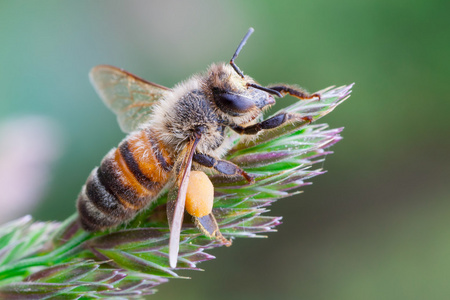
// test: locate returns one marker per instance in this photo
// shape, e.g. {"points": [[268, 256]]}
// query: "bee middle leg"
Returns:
{"points": [[270, 123], [222, 166], [293, 91]]}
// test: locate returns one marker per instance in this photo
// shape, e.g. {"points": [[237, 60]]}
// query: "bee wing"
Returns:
{"points": [[131, 98], [177, 199]]}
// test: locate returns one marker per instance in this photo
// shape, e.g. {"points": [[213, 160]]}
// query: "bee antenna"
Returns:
{"points": [[267, 90], [236, 53]]}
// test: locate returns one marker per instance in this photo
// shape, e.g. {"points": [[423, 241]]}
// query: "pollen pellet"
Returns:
{"points": [[199, 195]]}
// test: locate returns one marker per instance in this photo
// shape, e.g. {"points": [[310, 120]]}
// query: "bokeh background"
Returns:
{"points": [[376, 226]]}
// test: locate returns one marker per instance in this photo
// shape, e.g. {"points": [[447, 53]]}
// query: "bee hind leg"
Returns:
{"points": [[208, 225], [222, 166]]}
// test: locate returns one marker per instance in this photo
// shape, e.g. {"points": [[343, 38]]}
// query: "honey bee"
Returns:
{"points": [[172, 131]]}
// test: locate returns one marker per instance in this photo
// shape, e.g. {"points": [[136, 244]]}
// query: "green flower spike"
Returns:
{"points": [[43, 260]]}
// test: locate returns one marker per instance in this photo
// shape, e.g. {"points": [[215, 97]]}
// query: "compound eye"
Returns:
{"points": [[233, 104]]}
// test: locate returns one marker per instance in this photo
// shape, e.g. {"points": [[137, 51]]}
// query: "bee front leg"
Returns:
{"points": [[222, 166], [270, 123], [293, 91]]}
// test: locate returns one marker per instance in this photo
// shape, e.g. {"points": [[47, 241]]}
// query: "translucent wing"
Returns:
{"points": [[128, 96], [177, 199]]}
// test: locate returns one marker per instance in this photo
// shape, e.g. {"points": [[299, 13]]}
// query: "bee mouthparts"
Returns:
{"points": [[270, 100]]}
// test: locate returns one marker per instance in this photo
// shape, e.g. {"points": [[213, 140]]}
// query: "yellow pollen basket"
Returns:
{"points": [[199, 195]]}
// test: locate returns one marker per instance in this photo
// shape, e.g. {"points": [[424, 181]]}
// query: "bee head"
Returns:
{"points": [[235, 95]]}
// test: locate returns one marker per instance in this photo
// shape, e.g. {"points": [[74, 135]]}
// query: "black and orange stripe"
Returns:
{"points": [[128, 179]]}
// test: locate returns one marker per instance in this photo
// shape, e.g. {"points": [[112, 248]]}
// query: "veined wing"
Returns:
{"points": [[131, 98]]}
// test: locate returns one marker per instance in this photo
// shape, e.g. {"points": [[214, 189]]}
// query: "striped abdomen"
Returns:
{"points": [[128, 179]]}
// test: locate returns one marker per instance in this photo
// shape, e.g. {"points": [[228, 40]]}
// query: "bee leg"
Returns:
{"points": [[208, 225], [222, 166], [293, 91], [270, 123]]}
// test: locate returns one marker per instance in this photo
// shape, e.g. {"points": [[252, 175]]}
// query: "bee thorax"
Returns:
{"points": [[189, 115]]}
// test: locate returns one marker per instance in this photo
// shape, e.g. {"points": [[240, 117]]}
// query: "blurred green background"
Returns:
{"points": [[376, 226]]}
